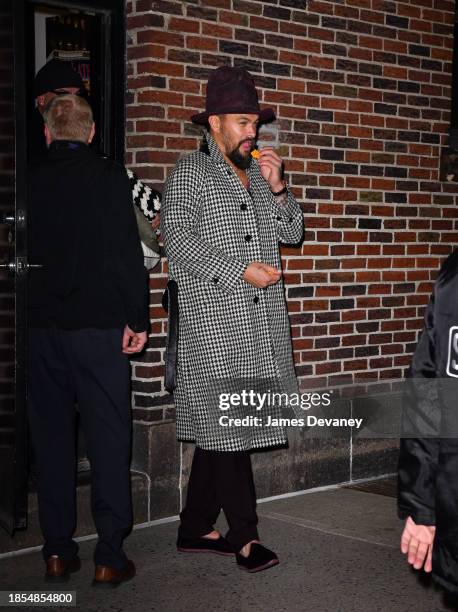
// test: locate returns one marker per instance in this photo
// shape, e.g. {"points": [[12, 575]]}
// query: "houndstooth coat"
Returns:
{"points": [[212, 229]]}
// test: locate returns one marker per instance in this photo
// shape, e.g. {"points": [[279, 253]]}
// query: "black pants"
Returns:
{"points": [[221, 480], [87, 366]]}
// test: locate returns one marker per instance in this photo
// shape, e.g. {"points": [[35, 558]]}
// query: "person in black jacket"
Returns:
{"points": [[428, 462], [88, 312]]}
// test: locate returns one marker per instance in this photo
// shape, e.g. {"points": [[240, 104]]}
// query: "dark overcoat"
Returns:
{"points": [[428, 466]]}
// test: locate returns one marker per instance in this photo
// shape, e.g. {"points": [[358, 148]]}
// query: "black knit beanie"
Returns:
{"points": [[55, 75]]}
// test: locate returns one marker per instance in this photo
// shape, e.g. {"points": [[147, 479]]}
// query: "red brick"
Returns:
{"points": [[158, 126], [183, 25], [395, 46], [333, 103], [181, 143], [319, 88], [233, 18], [321, 33], [289, 57], [165, 68], [359, 53], [331, 181], [368, 249], [371, 42], [260, 23], [277, 97], [162, 157], [138, 142], [196, 42], [143, 51], [365, 277], [315, 249], [315, 6], [319, 167], [354, 315], [218, 31], [317, 61], [291, 85], [344, 195], [160, 37], [310, 46]]}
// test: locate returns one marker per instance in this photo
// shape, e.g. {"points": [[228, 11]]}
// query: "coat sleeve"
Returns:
{"points": [[418, 457], [181, 203], [290, 219], [126, 252]]}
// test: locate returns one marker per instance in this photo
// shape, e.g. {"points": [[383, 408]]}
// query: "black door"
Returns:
{"points": [[101, 29], [13, 269]]}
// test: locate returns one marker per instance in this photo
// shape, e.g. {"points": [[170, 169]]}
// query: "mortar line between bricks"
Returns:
{"points": [[302, 523]]}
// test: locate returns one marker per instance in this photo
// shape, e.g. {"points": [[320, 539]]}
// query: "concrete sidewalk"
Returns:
{"points": [[339, 552]]}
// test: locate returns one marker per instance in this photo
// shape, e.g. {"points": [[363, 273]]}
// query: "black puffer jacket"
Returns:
{"points": [[428, 466]]}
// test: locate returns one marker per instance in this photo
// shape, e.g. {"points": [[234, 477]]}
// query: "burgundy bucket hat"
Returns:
{"points": [[232, 90]]}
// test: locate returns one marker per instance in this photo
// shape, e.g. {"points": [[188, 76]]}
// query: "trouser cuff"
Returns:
{"points": [[242, 536]]}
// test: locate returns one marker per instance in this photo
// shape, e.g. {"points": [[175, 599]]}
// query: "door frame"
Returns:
{"points": [[20, 247], [114, 49], [15, 509]]}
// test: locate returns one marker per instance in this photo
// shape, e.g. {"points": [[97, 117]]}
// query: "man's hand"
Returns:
{"points": [[417, 542], [133, 342], [271, 168], [261, 275]]}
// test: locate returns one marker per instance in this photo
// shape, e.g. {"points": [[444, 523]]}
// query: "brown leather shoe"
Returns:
{"points": [[59, 570], [110, 577]]}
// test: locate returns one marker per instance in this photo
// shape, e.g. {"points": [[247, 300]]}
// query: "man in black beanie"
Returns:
{"points": [[54, 78]]}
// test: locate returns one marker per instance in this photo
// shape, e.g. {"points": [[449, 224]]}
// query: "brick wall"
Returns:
{"points": [[361, 89]]}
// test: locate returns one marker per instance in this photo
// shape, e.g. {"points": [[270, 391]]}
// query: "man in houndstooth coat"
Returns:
{"points": [[223, 216]]}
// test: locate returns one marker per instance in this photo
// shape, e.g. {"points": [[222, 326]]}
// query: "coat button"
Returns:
{"points": [[215, 279], [243, 206], [290, 220], [255, 299], [248, 238], [229, 172], [278, 218]]}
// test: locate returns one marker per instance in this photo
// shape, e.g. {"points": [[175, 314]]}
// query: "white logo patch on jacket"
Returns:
{"points": [[452, 359]]}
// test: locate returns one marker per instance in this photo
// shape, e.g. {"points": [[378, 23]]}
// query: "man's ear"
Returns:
{"points": [[91, 135], [41, 101], [214, 122], [48, 136]]}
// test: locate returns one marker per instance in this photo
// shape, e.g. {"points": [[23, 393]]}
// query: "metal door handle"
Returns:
{"points": [[18, 266], [12, 218]]}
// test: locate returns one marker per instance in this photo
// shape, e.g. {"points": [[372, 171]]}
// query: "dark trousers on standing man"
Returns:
{"points": [[221, 480], [86, 366]]}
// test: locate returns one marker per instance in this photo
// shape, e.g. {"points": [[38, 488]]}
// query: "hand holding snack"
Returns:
{"points": [[261, 275], [271, 167]]}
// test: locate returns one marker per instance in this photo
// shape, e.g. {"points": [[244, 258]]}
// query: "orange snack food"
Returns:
{"points": [[255, 154]]}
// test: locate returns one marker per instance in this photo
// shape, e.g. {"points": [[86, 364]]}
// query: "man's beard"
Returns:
{"points": [[238, 159]]}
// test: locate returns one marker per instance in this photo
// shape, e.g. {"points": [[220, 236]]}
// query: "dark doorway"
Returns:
{"points": [[91, 35]]}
